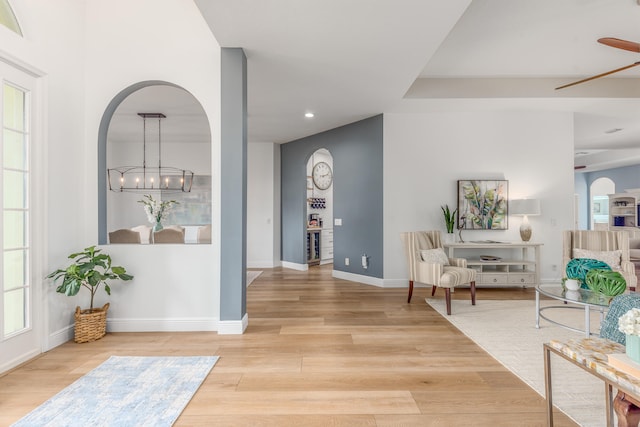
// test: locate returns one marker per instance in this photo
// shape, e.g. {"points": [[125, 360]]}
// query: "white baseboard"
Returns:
{"points": [[263, 264], [233, 327], [60, 337], [17, 361], [162, 325], [397, 283], [294, 266], [367, 280]]}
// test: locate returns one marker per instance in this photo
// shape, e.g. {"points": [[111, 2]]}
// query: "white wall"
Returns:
{"points": [[54, 44], [88, 52], [263, 205], [425, 155], [126, 43]]}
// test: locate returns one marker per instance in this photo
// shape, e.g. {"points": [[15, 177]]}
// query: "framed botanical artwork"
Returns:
{"points": [[482, 204]]}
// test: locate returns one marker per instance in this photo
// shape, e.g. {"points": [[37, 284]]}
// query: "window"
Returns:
{"points": [[8, 18], [15, 209]]}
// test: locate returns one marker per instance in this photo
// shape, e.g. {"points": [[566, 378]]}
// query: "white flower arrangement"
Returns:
{"points": [[629, 323], [156, 211]]}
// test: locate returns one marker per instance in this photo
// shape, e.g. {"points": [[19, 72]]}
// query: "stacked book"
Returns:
{"points": [[624, 363]]}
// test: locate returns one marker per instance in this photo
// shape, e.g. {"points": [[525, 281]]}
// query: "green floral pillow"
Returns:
{"points": [[607, 282]]}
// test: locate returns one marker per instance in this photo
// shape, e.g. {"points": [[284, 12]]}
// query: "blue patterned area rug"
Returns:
{"points": [[125, 391]]}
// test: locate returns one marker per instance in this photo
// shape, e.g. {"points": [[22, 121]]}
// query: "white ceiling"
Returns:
{"points": [[185, 119], [348, 60]]}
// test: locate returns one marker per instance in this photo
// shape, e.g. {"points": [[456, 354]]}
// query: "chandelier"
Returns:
{"points": [[147, 178]]}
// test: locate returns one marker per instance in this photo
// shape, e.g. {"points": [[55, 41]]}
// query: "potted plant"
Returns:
{"points": [[90, 269], [571, 283], [449, 220]]}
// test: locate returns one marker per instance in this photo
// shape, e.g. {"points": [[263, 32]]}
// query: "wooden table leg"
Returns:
{"points": [[628, 413]]}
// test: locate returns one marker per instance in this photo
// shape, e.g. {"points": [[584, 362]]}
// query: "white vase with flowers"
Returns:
{"points": [[156, 210], [629, 324]]}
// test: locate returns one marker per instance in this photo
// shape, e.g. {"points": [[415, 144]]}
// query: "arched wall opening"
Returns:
{"points": [[186, 142], [320, 204]]}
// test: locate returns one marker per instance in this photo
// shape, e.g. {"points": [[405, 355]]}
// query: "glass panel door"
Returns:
{"points": [[20, 333], [15, 213]]}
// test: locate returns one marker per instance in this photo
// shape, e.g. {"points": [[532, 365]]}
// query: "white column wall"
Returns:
{"points": [[425, 155], [262, 202]]}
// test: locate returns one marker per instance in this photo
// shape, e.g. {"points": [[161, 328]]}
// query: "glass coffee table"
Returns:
{"points": [[584, 299]]}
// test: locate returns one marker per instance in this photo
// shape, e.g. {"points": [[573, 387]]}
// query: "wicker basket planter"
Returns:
{"points": [[90, 269], [90, 325]]}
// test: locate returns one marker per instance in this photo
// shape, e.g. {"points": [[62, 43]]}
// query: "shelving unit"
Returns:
{"points": [[326, 246], [313, 246], [623, 210], [519, 262]]}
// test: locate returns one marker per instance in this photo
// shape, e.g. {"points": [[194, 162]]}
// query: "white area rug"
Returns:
{"points": [[251, 276], [506, 330], [125, 391]]}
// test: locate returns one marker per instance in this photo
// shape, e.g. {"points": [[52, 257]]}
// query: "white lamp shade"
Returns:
{"points": [[525, 207]]}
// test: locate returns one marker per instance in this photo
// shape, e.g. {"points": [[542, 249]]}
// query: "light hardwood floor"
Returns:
{"points": [[318, 352]]}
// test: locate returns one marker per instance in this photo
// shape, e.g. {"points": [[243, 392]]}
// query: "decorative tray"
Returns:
{"points": [[489, 258]]}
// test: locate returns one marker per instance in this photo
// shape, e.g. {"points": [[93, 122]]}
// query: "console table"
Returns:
{"points": [[521, 267], [590, 354]]}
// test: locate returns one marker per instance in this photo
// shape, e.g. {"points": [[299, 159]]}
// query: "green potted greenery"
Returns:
{"points": [[90, 269], [449, 218]]}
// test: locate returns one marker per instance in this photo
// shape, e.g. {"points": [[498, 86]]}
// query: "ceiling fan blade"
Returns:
{"points": [[620, 44], [599, 75], [579, 167]]}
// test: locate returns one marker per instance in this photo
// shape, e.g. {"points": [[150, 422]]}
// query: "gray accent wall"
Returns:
{"points": [[357, 151], [233, 160]]}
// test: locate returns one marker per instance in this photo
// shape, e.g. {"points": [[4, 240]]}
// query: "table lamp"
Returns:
{"points": [[525, 207]]}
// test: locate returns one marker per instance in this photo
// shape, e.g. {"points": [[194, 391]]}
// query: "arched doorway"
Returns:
{"points": [[599, 203], [319, 220]]}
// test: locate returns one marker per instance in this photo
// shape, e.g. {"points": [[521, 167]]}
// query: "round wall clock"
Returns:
{"points": [[322, 175]]}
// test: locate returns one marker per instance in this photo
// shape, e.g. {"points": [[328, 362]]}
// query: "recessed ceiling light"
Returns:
{"points": [[308, 115], [614, 130]]}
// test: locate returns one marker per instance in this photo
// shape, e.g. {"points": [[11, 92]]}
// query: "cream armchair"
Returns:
{"points": [[429, 264], [611, 247]]}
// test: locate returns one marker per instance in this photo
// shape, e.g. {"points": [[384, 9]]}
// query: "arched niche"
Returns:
{"points": [[186, 143]]}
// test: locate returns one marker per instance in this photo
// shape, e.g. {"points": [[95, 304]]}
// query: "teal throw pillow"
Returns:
{"points": [[577, 268]]}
